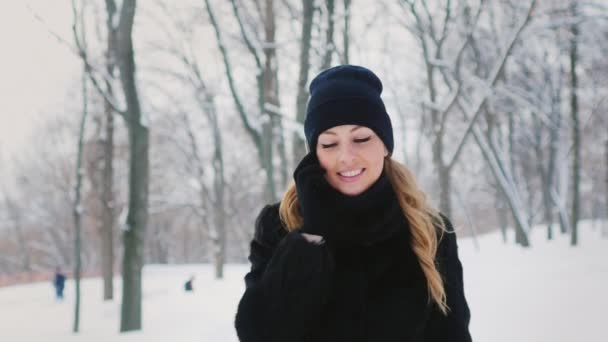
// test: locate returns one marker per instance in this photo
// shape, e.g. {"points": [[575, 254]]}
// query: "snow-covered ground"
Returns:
{"points": [[551, 292]]}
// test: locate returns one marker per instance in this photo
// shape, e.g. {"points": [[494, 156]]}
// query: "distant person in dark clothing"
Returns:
{"points": [[188, 285], [59, 283]]}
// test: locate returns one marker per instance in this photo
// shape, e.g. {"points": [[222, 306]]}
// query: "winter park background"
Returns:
{"points": [[138, 142]]}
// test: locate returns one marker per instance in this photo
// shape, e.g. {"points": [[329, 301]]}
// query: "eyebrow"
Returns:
{"points": [[333, 133]]}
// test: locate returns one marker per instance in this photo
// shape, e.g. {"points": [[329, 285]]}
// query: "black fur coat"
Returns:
{"points": [[346, 291]]}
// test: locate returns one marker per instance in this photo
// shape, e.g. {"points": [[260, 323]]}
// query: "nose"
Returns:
{"points": [[347, 155]]}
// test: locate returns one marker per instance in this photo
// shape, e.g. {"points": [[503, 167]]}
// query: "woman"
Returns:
{"points": [[353, 252]]}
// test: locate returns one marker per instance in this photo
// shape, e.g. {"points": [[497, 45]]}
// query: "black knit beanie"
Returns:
{"points": [[346, 95]]}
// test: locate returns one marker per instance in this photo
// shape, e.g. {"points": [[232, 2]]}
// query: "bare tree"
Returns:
{"points": [[299, 148], [137, 216], [496, 79], [212, 201], [265, 130], [99, 156], [78, 29], [432, 44], [346, 33], [576, 135], [270, 103], [329, 34], [432, 40], [108, 202], [605, 230]]}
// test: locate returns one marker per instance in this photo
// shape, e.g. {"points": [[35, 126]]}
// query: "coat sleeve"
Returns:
{"points": [[455, 326], [287, 285]]}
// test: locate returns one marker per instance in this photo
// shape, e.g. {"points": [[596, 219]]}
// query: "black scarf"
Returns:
{"points": [[368, 218]]}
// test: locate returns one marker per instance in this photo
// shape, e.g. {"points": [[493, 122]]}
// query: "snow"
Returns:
{"points": [[116, 19], [552, 292], [143, 119]]}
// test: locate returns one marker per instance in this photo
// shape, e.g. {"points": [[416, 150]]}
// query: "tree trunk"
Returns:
{"points": [[137, 216], [219, 212], [502, 175], [263, 138], [346, 32], [528, 165], [604, 221], [550, 179], [133, 235], [443, 170], [330, 46], [77, 209], [542, 173], [503, 213], [108, 209], [78, 26], [547, 205], [445, 181], [576, 163], [270, 102], [279, 131], [560, 192], [509, 189], [218, 246], [299, 149], [528, 171], [217, 228], [469, 218], [511, 139]]}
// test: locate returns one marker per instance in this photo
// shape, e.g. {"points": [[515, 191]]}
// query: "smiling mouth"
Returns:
{"points": [[351, 176], [352, 173]]}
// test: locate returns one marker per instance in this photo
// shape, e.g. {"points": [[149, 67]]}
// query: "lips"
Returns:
{"points": [[351, 175]]}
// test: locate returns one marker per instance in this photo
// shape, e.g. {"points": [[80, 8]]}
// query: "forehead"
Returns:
{"points": [[345, 129]]}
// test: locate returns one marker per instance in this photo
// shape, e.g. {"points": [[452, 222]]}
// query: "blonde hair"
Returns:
{"points": [[422, 217]]}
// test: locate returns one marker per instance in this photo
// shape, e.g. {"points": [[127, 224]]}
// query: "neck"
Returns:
{"points": [[372, 216]]}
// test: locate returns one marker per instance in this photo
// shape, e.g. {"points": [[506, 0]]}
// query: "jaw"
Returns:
{"points": [[350, 186]]}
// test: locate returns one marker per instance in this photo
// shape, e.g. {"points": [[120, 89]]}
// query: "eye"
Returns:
{"points": [[329, 145], [362, 140]]}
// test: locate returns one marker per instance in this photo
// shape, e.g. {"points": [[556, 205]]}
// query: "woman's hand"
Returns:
{"points": [[315, 196], [312, 238]]}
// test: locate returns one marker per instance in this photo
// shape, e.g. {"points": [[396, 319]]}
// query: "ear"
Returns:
{"points": [[385, 152]]}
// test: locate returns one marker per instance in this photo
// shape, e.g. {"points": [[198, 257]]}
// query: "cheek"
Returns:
{"points": [[325, 161], [375, 157]]}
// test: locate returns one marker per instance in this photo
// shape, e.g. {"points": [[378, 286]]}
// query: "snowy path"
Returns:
{"points": [[549, 293]]}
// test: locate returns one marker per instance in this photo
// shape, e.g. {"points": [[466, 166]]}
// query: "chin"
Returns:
{"points": [[352, 191]]}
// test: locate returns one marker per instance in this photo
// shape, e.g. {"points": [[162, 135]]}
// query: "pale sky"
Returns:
{"points": [[35, 68]]}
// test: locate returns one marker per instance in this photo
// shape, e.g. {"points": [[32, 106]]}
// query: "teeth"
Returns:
{"points": [[351, 173]]}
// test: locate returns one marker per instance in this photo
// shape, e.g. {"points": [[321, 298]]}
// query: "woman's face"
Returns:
{"points": [[353, 157]]}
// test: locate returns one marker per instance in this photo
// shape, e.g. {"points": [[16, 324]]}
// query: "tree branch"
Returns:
{"points": [[492, 81], [255, 134], [248, 42], [80, 53]]}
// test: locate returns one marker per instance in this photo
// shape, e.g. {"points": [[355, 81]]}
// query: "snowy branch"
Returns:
{"points": [[493, 79], [253, 132]]}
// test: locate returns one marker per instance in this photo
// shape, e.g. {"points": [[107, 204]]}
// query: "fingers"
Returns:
{"points": [[312, 238], [309, 169], [309, 160]]}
